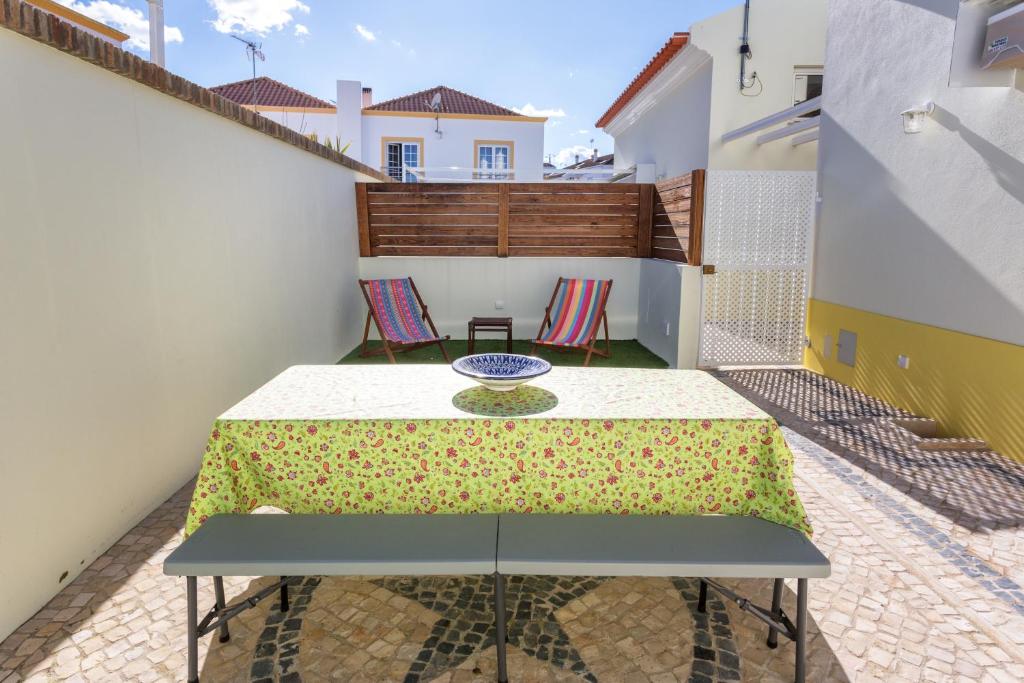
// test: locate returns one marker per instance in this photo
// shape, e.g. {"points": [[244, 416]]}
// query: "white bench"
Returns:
{"points": [[424, 545]]}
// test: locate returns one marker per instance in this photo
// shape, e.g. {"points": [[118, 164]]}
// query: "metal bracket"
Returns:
{"points": [[218, 617], [777, 622]]}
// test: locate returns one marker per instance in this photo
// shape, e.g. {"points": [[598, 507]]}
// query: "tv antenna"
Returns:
{"points": [[435, 106], [253, 51]]}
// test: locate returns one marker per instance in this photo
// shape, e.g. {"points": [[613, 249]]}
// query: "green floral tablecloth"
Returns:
{"points": [[408, 438]]}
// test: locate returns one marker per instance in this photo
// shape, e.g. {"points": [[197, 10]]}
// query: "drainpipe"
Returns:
{"points": [[745, 46], [156, 32]]}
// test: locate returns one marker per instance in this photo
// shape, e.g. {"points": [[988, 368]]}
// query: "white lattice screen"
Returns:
{"points": [[757, 233]]}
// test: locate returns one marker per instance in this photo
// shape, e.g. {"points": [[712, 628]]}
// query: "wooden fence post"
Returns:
{"points": [[503, 198], [645, 221], [696, 246], [363, 218]]}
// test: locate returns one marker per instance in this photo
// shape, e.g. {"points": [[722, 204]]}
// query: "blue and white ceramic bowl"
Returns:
{"points": [[501, 371]]}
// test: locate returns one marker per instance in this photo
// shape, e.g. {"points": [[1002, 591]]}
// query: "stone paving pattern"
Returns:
{"points": [[927, 559]]}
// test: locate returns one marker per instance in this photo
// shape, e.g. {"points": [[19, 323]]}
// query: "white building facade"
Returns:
{"points": [[671, 119], [918, 249], [439, 134]]}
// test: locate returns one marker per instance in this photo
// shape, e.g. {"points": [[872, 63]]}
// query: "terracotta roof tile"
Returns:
{"points": [[452, 102], [676, 43], [269, 93]]}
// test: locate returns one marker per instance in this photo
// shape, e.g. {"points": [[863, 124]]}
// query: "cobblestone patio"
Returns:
{"points": [[927, 558]]}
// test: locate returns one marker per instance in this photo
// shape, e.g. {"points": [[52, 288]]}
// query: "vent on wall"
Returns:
{"points": [[847, 352]]}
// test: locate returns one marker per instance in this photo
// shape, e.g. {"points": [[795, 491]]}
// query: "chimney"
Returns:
{"points": [[367, 97], [594, 155], [351, 96], [156, 32], [577, 159]]}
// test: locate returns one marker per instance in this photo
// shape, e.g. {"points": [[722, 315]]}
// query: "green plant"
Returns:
{"points": [[331, 144]]}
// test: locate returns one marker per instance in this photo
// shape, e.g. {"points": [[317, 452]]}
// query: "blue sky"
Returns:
{"points": [[569, 60]]}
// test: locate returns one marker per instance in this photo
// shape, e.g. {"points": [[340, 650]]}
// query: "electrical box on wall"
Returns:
{"points": [[1004, 40], [971, 52], [847, 348]]}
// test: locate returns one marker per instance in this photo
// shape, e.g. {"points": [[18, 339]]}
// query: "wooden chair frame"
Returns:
{"points": [[390, 348], [590, 346]]}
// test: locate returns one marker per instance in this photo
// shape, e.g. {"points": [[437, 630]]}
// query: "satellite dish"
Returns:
{"points": [[435, 101]]}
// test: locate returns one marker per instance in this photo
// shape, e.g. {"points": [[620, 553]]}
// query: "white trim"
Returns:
{"points": [[679, 69], [774, 119], [809, 136], [1005, 13], [791, 129]]}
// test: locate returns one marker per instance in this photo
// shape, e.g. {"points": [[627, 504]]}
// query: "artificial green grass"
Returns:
{"points": [[626, 353]]}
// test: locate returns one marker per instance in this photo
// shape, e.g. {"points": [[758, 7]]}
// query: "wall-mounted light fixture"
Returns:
{"points": [[913, 118]]}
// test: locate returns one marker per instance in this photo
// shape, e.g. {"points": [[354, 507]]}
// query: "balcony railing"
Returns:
{"points": [[468, 174], [453, 174]]}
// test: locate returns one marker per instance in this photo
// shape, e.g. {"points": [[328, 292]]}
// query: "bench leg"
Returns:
{"points": [[192, 596], [773, 635], [218, 592], [801, 630], [702, 599], [499, 626], [284, 594]]}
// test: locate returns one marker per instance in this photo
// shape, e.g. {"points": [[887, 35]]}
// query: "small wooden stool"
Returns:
{"points": [[490, 325]]}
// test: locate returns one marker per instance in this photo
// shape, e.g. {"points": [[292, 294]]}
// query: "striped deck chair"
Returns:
{"points": [[574, 315], [400, 316]]}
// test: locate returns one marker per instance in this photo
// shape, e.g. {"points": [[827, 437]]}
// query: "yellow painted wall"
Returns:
{"points": [[972, 386]]}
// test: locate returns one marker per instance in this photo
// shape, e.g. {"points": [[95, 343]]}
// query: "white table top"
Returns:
{"points": [[359, 392]]}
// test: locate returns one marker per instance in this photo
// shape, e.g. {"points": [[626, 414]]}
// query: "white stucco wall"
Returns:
{"points": [[924, 227], [457, 288], [325, 124], [683, 129], [159, 263], [783, 34], [668, 311], [455, 147], [673, 134]]}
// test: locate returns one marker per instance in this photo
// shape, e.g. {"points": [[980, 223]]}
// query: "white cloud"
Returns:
{"points": [[583, 131], [131, 21], [255, 16], [397, 44], [301, 31], [567, 155], [530, 110], [366, 33]]}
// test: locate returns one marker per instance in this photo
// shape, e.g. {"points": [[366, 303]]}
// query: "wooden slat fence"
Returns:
{"points": [[521, 219], [428, 219], [579, 219], [679, 218]]}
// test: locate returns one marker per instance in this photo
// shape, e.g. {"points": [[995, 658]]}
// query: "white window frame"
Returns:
{"points": [[803, 72], [491, 147], [405, 146]]}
